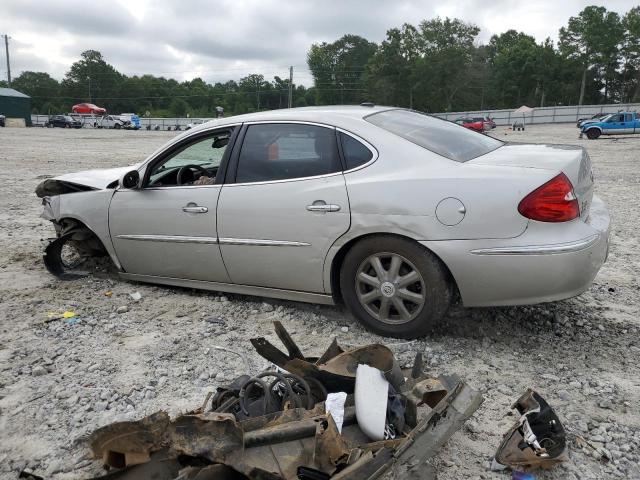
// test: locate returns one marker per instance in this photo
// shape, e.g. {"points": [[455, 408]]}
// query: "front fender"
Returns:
{"points": [[91, 208]]}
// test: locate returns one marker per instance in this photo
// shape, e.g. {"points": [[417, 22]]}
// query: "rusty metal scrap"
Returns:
{"points": [[218, 441], [536, 440]]}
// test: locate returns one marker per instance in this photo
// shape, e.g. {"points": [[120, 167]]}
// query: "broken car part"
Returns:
{"points": [[301, 439], [536, 440], [371, 393]]}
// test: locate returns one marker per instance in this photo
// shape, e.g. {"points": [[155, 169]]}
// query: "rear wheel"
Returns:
{"points": [[593, 133], [394, 286]]}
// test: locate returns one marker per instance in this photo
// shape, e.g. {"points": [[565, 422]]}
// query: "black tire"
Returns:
{"points": [[435, 281], [116, 126], [593, 133]]}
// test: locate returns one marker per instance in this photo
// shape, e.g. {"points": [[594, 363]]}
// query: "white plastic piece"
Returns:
{"points": [[371, 393], [334, 404]]}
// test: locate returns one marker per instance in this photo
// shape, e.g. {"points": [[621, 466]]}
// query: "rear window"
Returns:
{"points": [[439, 136]]}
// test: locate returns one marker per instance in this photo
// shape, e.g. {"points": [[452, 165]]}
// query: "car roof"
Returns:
{"points": [[333, 114]]}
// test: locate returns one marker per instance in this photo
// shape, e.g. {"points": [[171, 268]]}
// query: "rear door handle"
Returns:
{"points": [[194, 209], [323, 208]]}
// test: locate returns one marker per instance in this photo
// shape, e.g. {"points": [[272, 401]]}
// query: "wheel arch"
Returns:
{"points": [[336, 260]]}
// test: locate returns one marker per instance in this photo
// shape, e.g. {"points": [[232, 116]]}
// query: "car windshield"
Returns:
{"points": [[68, 119], [439, 136]]}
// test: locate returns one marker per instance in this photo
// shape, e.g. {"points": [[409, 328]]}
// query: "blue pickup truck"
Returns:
{"points": [[621, 123]]}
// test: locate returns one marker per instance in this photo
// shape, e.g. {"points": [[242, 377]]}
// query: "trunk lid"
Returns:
{"points": [[571, 160]]}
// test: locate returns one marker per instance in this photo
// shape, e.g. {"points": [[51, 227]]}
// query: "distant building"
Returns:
{"points": [[14, 104]]}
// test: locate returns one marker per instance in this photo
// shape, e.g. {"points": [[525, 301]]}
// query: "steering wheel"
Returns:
{"points": [[184, 168]]}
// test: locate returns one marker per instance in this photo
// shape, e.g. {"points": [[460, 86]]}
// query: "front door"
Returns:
{"points": [[283, 207], [168, 227]]}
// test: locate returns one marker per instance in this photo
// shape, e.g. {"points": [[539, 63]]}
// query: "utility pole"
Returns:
{"points": [[6, 47], [290, 87]]}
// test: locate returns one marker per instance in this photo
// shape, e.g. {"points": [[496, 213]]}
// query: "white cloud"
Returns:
{"points": [[228, 39]]}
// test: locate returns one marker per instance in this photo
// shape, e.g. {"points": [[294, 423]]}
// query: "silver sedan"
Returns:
{"points": [[390, 211]]}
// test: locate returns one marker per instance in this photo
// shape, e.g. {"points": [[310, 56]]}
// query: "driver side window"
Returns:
{"points": [[194, 164]]}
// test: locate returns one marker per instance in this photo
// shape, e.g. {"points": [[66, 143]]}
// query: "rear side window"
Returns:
{"points": [[280, 151], [440, 136], [354, 152]]}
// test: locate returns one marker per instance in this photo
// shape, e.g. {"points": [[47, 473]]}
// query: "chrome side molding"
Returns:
{"points": [[169, 238], [552, 249]]}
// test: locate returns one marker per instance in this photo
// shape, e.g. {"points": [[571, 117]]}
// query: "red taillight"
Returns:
{"points": [[552, 202]]}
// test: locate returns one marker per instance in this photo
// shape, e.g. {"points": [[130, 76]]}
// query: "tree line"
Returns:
{"points": [[437, 65]]}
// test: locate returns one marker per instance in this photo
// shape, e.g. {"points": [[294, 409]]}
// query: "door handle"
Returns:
{"points": [[323, 208], [194, 209]]}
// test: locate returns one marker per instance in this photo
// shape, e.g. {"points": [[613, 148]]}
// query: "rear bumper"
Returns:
{"points": [[547, 262]]}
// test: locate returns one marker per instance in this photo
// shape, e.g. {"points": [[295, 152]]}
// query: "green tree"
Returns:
{"points": [[631, 56], [390, 73], [41, 87], [92, 79], [443, 67], [593, 38], [338, 69]]}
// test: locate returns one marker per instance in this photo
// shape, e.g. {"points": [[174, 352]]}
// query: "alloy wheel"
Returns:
{"points": [[390, 288]]}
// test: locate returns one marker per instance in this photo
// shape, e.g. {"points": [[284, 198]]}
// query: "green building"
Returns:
{"points": [[14, 104]]}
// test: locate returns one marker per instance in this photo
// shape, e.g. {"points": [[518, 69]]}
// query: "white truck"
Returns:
{"points": [[110, 121]]}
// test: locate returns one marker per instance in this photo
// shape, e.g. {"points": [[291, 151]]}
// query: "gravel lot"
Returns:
{"points": [[60, 380]]}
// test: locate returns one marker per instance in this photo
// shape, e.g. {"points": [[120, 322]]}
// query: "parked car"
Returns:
{"points": [[487, 122], [132, 121], [194, 123], [2, 120], [621, 123], [88, 108], [471, 123], [63, 121], [111, 121], [387, 210], [596, 117]]}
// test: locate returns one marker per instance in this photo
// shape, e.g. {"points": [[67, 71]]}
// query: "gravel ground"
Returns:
{"points": [[123, 359]]}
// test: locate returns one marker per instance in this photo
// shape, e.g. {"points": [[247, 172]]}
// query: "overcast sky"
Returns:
{"points": [[221, 40]]}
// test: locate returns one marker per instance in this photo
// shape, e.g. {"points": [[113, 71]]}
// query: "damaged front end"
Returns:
{"points": [[76, 249], [298, 423]]}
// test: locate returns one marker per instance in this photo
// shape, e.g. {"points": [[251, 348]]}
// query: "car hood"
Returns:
{"points": [[98, 178]]}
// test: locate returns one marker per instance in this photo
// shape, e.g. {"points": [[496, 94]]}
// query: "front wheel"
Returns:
{"points": [[117, 126], [395, 287], [593, 133]]}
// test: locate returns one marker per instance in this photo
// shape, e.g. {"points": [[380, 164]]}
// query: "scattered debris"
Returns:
{"points": [[298, 423], [135, 296], [536, 440], [52, 316]]}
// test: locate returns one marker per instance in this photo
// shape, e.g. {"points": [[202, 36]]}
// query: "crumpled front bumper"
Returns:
{"points": [[548, 262]]}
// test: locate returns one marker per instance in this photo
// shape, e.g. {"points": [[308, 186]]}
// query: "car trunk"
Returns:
{"points": [[573, 161]]}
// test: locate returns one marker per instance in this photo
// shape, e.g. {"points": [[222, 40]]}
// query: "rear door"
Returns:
{"points": [[283, 205]]}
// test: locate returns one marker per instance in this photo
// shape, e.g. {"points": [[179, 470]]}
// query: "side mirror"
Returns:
{"points": [[130, 180]]}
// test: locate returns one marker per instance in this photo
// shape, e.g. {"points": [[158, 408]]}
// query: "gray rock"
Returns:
{"points": [[122, 309], [344, 329], [38, 371], [100, 406], [564, 395], [267, 307], [550, 376]]}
